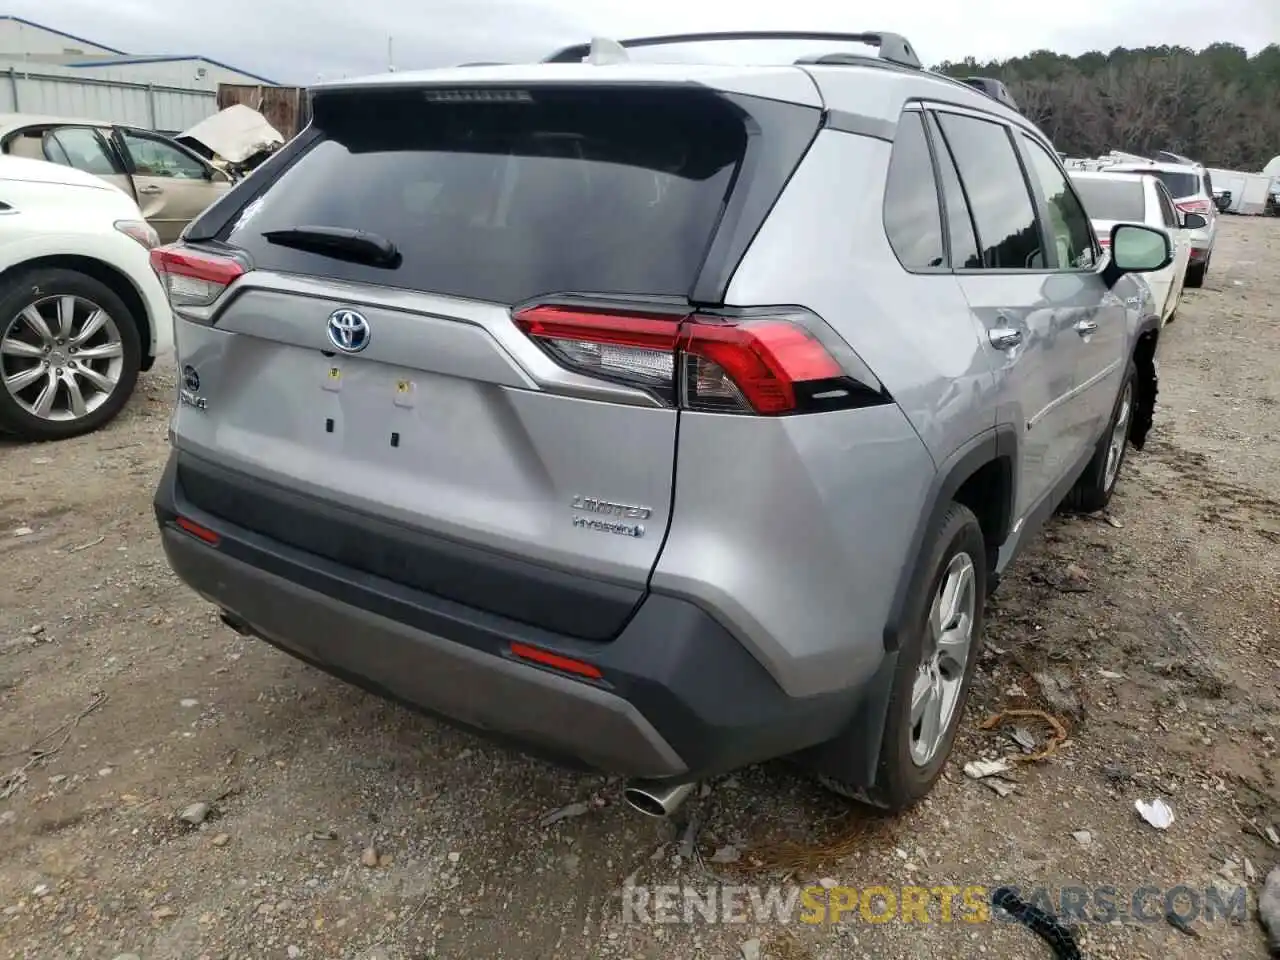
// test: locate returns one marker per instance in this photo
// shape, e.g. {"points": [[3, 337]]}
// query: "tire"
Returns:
{"points": [[903, 775], [1195, 274], [103, 383], [1093, 491]]}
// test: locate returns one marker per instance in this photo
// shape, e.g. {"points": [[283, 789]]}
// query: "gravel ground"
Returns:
{"points": [[340, 826]]}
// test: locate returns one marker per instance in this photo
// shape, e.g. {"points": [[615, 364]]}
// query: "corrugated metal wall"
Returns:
{"points": [[67, 92]]}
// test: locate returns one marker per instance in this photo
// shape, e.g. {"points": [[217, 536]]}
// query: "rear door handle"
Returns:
{"points": [[1086, 327], [1004, 338], [151, 189]]}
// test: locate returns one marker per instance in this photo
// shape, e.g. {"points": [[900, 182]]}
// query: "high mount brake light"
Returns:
{"points": [[766, 364], [192, 278]]}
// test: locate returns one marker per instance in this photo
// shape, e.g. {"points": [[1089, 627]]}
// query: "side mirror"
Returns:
{"points": [[1194, 221], [1137, 248]]}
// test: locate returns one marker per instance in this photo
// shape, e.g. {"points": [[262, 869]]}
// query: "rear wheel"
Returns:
{"points": [[1195, 274], [935, 668], [1093, 490], [69, 354]]}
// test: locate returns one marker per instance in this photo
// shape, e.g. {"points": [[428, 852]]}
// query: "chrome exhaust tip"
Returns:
{"points": [[655, 798]]}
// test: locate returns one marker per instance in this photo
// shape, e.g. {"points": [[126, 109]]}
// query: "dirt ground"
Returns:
{"points": [[344, 827]]}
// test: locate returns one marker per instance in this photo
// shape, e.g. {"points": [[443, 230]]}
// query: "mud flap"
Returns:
{"points": [[853, 756]]}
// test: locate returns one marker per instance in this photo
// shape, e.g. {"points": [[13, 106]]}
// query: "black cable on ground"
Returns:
{"points": [[1043, 924]]}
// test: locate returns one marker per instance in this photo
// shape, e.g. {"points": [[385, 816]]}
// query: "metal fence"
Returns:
{"points": [[66, 92]]}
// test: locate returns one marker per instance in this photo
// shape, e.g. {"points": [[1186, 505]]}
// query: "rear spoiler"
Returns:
{"points": [[891, 49]]}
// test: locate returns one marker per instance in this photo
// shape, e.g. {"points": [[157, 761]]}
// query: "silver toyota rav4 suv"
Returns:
{"points": [[665, 417]]}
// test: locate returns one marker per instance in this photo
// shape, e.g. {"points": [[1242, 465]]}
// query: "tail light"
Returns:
{"points": [[193, 278], [770, 363], [1201, 207], [140, 231]]}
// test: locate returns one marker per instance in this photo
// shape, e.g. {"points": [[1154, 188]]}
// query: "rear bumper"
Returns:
{"points": [[679, 696], [1201, 245]]}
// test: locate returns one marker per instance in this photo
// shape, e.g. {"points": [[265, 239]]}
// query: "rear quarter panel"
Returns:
{"points": [[794, 531]]}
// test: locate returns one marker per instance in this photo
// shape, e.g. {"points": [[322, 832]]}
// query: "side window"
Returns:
{"points": [[81, 148], [155, 158], [1208, 184], [1068, 223], [960, 229], [53, 151], [911, 216], [1003, 212]]}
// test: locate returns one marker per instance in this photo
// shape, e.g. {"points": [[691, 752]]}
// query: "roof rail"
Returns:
{"points": [[604, 50], [994, 89], [891, 46], [1168, 156], [836, 59]]}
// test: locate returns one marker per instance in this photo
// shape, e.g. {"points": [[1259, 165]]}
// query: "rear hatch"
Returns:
{"points": [[364, 391]]}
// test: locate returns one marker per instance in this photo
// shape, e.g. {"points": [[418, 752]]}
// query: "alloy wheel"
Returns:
{"points": [[948, 644], [61, 357], [1119, 437]]}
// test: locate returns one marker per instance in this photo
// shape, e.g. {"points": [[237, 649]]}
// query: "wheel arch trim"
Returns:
{"points": [[999, 446]]}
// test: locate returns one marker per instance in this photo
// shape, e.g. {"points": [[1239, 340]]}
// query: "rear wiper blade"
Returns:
{"points": [[341, 243]]}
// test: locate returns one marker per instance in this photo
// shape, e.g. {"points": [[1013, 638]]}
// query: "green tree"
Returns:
{"points": [[1219, 105]]}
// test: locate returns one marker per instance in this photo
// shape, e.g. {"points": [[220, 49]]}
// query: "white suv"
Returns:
{"points": [[1192, 190]]}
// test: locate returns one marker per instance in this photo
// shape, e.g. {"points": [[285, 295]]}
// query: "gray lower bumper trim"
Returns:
{"points": [[472, 687]]}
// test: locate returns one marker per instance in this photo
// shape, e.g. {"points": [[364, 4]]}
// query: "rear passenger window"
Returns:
{"points": [[1069, 227], [911, 216], [1003, 212], [960, 230]]}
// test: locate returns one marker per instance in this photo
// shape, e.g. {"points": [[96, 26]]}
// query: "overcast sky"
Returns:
{"points": [[294, 41]]}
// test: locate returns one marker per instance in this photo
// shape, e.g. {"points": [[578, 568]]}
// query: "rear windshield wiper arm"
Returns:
{"points": [[341, 243]]}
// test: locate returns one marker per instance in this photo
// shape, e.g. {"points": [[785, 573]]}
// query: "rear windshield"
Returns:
{"points": [[1113, 199], [602, 191], [1180, 184]]}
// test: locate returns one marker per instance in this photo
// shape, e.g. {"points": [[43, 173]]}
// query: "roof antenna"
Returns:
{"points": [[606, 51]]}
